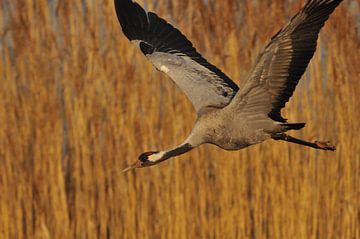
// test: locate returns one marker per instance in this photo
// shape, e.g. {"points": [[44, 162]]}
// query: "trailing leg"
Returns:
{"points": [[316, 144]]}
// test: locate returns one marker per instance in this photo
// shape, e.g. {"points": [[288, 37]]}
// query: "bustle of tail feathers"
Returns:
{"points": [[293, 126]]}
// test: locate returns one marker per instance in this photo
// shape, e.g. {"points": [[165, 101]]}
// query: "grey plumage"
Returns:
{"points": [[171, 52], [229, 117], [281, 64]]}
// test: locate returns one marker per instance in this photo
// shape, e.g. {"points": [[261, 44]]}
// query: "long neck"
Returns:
{"points": [[176, 151], [164, 155], [191, 142]]}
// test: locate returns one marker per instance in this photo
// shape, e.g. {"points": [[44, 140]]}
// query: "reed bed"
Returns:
{"points": [[78, 103]]}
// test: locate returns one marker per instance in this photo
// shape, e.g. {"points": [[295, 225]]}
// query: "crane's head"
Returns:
{"points": [[145, 160]]}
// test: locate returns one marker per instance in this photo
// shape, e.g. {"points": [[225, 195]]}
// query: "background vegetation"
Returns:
{"points": [[78, 103]]}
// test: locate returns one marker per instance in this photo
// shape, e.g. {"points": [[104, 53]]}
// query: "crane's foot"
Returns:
{"points": [[316, 145], [325, 145]]}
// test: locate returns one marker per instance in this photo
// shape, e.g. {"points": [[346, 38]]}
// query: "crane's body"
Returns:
{"points": [[217, 127], [227, 116]]}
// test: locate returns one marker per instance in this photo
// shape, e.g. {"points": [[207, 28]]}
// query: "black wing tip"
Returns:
{"points": [[121, 7], [132, 18], [156, 34], [315, 5], [314, 9]]}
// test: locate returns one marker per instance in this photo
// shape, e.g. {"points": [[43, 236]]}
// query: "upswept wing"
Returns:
{"points": [[281, 64], [171, 52]]}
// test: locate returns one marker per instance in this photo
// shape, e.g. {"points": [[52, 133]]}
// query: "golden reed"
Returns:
{"points": [[78, 103]]}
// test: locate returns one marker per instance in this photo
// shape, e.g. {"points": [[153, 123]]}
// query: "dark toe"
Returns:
{"points": [[325, 145]]}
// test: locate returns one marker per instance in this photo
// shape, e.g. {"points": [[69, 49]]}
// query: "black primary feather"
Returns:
{"points": [[156, 35]]}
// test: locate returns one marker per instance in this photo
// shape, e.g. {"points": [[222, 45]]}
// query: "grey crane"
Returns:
{"points": [[227, 116]]}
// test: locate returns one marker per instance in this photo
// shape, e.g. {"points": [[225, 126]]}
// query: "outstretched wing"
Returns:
{"points": [[280, 66], [169, 51]]}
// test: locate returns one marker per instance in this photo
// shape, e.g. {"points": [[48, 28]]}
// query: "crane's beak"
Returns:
{"points": [[133, 166], [128, 169]]}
